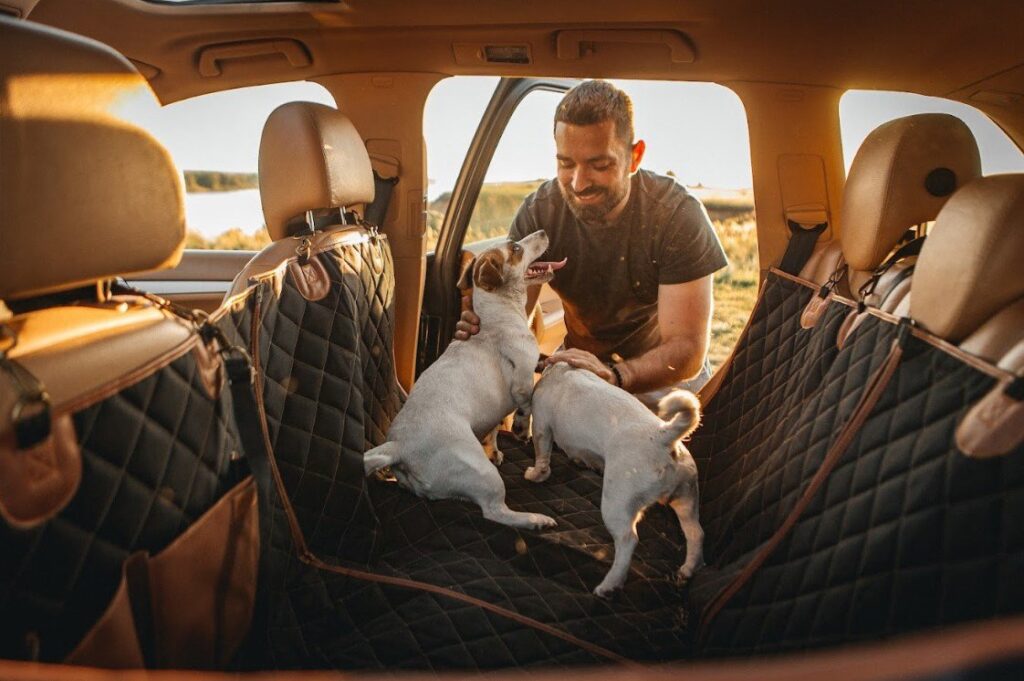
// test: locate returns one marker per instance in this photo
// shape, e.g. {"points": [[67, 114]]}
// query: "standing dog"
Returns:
{"points": [[643, 459], [433, 446]]}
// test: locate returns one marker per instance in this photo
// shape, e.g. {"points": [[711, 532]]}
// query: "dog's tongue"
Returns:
{"points": [[540, 266]]}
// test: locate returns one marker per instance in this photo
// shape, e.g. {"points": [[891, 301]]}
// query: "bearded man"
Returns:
{"points": [[640, 249]]}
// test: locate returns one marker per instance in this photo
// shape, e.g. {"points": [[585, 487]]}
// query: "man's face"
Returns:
{"points": [[594, 166]]}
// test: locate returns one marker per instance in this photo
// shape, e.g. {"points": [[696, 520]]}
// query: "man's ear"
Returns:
{"points": [[466, 278], [487, 272], [637, 155]]}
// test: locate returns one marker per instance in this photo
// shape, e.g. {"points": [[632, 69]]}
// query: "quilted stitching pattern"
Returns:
{"points": [[330, 392], [155, 456], [907, 533], [325, 619]]}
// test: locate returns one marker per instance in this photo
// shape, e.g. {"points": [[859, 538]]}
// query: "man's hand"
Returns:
{"points": [[583, 360], [468, 324]]}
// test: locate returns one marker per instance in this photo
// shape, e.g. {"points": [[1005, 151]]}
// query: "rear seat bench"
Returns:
{"points": [[858, 513]]}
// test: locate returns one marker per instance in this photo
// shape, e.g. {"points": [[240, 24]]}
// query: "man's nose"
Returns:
{"points": [[580, 179]]}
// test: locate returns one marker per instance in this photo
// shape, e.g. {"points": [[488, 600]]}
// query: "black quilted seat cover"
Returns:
{"points": [[330, 391], [323, 619], [155, 457], [906, 534]]}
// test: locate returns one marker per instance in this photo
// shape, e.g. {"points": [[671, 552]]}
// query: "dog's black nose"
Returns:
{"points": [[542, 232]]}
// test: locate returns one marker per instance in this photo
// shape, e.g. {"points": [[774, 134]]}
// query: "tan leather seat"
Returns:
{"points": [[968, 286], [96, 396], [902, 175]]}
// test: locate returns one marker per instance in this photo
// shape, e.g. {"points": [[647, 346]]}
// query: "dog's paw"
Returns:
{"points": [[497, 457], [521, 426], [541, 521], [684, 573], [537, 473], [605, 590]]}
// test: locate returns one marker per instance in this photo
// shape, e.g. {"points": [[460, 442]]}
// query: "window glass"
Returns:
{"points": [[215, 141], [861, 111]]}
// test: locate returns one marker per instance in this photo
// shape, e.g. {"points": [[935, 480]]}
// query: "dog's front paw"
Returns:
{"points": [[541, 521], [605, 590], [537, 473], [521, 426], [686, 571], [497, 456]]}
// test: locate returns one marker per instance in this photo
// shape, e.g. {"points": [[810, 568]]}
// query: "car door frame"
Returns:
{"points": [[441, 301]]}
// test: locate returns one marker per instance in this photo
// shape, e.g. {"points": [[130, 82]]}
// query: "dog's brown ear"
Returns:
{"points": [[466, 278], [487, 271]]}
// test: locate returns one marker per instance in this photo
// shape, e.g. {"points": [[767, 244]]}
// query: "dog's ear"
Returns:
{"points": [[466, 278], [487, 271]]}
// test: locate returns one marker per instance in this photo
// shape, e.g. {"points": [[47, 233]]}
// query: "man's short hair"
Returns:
{"points": [[597, 101]]}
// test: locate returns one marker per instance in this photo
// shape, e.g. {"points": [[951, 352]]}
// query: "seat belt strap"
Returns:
{"points": [[801, 246]]}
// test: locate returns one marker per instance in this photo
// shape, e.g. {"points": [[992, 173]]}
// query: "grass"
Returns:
{"points": [[731, 212]]}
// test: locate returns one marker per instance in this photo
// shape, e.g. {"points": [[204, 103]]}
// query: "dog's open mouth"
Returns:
{"points": [[540, 271]]}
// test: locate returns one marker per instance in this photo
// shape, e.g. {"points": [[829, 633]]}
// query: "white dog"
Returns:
{"points": [[643, 459], [433, 446]]}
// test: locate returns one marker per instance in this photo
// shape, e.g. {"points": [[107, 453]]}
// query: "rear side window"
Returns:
{"points": [[215, 141], [861, 111]]}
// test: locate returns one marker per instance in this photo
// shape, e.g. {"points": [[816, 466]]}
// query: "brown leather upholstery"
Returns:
{"points": [[886, 194], [887, 190], [970, 266], [311, 157], [84, 195], [997, 337]]}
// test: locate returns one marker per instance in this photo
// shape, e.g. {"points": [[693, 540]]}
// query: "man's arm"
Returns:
{"points": [[684, 318]]}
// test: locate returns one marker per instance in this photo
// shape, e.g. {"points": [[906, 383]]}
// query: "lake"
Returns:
{"points": [[213, 213]]}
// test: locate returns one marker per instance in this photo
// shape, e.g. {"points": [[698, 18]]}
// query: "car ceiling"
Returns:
{"points": [[964, 50]]}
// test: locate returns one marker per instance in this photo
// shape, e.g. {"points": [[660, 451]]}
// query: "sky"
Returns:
{"points": [[696, 130]]}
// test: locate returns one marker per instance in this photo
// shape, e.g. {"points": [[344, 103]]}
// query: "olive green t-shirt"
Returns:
{"points": [[609, 286]]}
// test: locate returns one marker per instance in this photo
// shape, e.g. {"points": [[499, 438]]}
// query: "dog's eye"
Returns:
{"points": [[516, 248]]}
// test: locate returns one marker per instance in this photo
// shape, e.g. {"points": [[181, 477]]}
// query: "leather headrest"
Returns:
{"points": [[84, 194], [311, 157], [902, 175], [971, 263]]}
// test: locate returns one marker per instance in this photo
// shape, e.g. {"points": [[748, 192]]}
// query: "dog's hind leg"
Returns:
{"points": [[383, 456], [542, 443], [688, 514], [488, 491], [621, 522]]}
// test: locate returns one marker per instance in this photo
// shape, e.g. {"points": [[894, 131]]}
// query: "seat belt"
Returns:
{"points": [[801, 246], [383, 187]]}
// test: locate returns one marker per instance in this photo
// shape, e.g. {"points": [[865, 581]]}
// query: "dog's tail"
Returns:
{"points": [[680, 410], [383, 456]]}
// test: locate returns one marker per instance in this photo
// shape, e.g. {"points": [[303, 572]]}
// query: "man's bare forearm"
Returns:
{"points": [[674, 360]]}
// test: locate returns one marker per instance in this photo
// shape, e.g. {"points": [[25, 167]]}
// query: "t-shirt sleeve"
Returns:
{"points": [[690, 249]]}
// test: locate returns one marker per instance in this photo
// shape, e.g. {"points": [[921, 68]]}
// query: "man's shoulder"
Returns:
{"points": [[665, 195], [659, 187]]}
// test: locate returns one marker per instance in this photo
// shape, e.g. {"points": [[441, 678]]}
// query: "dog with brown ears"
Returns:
{"points": [[434, 445]]}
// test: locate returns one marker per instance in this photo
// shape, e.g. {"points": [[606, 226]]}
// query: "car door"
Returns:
{"points": [[514, 120]]}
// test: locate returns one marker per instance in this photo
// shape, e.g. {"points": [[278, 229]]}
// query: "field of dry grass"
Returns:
{"points": [[731, 213]]}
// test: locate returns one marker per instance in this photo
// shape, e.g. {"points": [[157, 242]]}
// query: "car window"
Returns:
{"points": [[861, 111], [696, 132], [215, 141]]}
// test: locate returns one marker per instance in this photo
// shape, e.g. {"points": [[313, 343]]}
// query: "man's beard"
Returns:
{"points": [[594, 212]]}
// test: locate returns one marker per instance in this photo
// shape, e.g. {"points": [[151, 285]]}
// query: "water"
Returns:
{"points": [[213, 213]]}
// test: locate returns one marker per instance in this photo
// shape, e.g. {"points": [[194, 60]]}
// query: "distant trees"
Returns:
{"points": [[197, 181]]}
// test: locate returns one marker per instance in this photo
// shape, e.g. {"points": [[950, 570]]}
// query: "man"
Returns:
{"points": [[641, 252]]}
